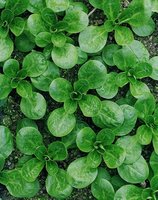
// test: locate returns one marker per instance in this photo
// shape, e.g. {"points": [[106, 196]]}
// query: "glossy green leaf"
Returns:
{"points": [[43, 39], [60, 123], [94, 72], [5, 86], [17, 6], [60, 89], [6, 142], [114, 156], [35, 6], [25, 122], [57, 6], [94, 159], [144, 135], [102, 189], [111, 9], [136, 172], [34, 107], [43, 81], [79, 175], [31, 169], [142, 70], [2, 161], [154, 162], [61, 57], [128, 192], [17, 26], [70, 106], [130, 118], [85, 139], [11, 67], [35, 63], [153, 61], [130, 145], [123, 35], [110, 88], [63, 190], [28, 139], [110, 115], [58, 39], [24, 89], [95, 37], [106, 136], [57, 151], [79, 23], [52, 167], [6, 48]]}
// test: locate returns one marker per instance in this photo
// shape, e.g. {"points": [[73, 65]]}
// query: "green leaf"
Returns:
{"points": [[108, 53], [139, 89], [144, 135], [58, 39], [85, 139], [2, 161], [6, 142], [95, 37], [79, 23], [128, 192], [105, 137], [43, 39], [79, 175], [7, 16], [6, 48], [43, 81], [17, 26], [35, 24], [23, 43], [35, 63], [5, 86], [60, 123], [17, 6], [123, 35], [35, 6], [155, 139], [90, 105], [28, 139], [109, 89], [34, 107], [41, 152], [97, 3], [57, 151], [49, 17], [114, 156], [11, 67], [102, 189], [60, 179], [70, 106], [154, 162], [25, 122], [94, 72], [130, 118], [124, 58], [137, 13], [110, 115], [18, 187], [146, 29], [60, 89], [82, 56], [134, 173], [2, 3], [24, 89], [31, 169], [142, 70], [145, 106], [154, 6], [52, 167], [130, 145], [57, 6], [61, 56], [94, 159], [153, 61], [81, 86], [154, 183]]}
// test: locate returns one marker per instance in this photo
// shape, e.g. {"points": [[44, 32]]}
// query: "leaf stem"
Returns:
{"points": [[91, 12]]}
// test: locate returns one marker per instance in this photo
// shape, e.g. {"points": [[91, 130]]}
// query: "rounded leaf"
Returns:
{"points": [[79, 175], [10, 68], [63, 190], [85, 139], [137, 172], [153, 61], [144, 135], [57, 6], [5, 86], [6, 142], [60, 89], [28, 139], [60, 123], [6, 48], [35, 63], [94, 72], [110, 115], [62, 58], [93, 39], [34, 107]]}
